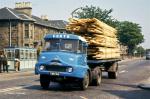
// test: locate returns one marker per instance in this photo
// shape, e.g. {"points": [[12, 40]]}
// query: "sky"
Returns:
{"points": [[137, 11]]}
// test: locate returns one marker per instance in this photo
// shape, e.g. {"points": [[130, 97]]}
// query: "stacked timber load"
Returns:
{"points": [[102, 38]]}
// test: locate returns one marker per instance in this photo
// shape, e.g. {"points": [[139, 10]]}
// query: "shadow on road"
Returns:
{"points": [[132, 94], [122, 84], [55, 87]]}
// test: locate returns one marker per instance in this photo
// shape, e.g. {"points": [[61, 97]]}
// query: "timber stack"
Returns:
{"points": [[102, 38]]}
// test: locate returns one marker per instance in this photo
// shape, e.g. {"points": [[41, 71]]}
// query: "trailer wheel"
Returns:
{"points": [[97, 81], [113, 75], [44, 81], [113, 72], [85, 82]]}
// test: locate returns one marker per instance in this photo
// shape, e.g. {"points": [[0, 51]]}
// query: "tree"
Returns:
{"points": [[140, 51], [95, 12], [129, 34]]}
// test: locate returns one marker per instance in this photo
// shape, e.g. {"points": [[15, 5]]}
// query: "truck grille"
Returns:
{"points": [[56, 68]]}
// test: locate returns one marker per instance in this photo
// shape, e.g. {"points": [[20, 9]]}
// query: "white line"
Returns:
{"points": [[16, 93], [122, 65], [13, 88], [123, 71], [83, 97]]}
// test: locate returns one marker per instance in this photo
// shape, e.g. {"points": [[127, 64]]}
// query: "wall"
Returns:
{"points": [[4, 34]]}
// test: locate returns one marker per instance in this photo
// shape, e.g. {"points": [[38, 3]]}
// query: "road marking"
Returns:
{"points": [[13, 88], [16, 93], [123, 71], [83, 97], [122, 65]]}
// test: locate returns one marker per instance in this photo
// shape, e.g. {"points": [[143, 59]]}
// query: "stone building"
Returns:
{"points": [[19, 28]]}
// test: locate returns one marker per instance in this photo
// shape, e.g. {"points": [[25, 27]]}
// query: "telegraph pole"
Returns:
{"points": [[10, 33]]}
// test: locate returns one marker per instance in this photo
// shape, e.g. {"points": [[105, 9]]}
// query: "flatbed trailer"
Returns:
{"points": [[104, 64], [93, 62]]}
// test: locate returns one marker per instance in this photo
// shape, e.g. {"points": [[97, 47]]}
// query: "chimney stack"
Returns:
{"points": [[24, 7], [44, 17]]}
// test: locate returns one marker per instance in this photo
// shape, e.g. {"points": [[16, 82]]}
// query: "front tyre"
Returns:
{"points": [[85, 82], [44, 81]]}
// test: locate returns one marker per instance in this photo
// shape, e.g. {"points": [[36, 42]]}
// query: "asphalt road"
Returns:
{"points": [[131, 73]]}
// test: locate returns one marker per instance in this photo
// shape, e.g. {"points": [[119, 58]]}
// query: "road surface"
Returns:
{"points": [[131, 73]]}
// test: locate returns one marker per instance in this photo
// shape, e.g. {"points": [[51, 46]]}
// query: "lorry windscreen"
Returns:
{"points": [[61, 45]]}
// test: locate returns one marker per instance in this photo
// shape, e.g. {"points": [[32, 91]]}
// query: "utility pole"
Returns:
{"points": [[10, 33]]}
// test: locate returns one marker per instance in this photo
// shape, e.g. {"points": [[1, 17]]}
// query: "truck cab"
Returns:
{"points": [[63, 59]]}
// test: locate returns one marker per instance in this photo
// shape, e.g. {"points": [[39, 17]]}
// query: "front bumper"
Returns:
{"points": [[78, 72]]}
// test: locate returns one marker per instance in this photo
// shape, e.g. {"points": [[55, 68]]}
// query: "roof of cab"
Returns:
{"points": [[64, 36]]}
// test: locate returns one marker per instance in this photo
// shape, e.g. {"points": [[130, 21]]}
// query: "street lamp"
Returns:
{"points": [[75, 11]]}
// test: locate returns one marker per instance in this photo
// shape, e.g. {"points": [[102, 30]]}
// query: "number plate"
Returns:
{"points": [[54, 73]]}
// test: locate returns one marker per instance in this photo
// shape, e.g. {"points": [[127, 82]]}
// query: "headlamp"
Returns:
{"points": [[69, 69], [42, 67]]}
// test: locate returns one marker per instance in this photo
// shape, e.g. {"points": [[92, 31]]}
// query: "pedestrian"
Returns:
{"points": [[1, 63], [17, 65], [5, 63]]}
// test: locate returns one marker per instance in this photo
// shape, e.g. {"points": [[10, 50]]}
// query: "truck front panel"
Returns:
{"points": [[62, 64]]}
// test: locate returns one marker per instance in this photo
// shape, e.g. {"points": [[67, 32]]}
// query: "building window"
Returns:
{"points": [[26, 34], [26, 26], [26, 45], [14, 26], [26, 30]]}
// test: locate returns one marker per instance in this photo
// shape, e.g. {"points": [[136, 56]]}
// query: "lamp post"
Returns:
{"points": [[75, 11], [10, 33]]}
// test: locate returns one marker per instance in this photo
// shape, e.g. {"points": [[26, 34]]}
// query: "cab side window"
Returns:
{"points": [[84, 49], [80, 48]]}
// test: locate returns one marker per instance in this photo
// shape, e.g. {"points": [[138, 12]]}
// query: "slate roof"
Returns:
{"points": [[58, 24], [6, 13], [12, 14]]}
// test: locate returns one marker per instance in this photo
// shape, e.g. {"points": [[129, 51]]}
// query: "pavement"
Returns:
{"points": [[130, 59], [14, 74], [145, 84]]}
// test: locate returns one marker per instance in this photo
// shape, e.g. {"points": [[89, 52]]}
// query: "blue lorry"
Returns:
{"points": [[64, 59]]}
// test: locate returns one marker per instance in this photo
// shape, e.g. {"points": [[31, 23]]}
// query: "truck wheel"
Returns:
{"points": [[113, 75], [97, 81], [85, 82], [113, 72], [44, 81]]}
